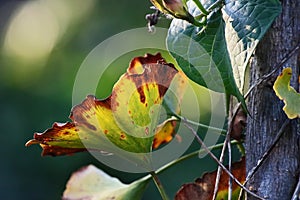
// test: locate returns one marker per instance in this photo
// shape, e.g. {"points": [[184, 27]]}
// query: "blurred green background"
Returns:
{"points": [[43, 44]]}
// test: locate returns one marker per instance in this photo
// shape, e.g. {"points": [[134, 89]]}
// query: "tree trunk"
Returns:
{"points": [[279, 174]]}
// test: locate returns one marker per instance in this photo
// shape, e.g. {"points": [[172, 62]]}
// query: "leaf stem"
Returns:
{"points": [[199, 24], [215, 5], [219, 163], [201, 7], [159, 186], [174, 162], [222, 131], [190, 155]]}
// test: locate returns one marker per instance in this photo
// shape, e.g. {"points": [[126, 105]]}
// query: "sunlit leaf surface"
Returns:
{"points": [[287, 93], [128, 119], [93, 184], [216, 56]]}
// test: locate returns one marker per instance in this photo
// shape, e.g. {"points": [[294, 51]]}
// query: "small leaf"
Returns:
{"points": [[287, 93], [164, 132], [93, 184], [246, 22], [127, 119], [203, 188]]}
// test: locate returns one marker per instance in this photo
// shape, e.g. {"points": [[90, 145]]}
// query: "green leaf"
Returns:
{"points": [[245, 24], [216, 56], [288, 94], [202, 53], [92, 183]]}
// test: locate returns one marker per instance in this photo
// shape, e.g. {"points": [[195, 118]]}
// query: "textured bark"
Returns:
{"points": [[278, 175]]}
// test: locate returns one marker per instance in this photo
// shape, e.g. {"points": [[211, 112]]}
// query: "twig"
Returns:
{"points": [[216, 159], [222, 131], [201, 8], [215, 5], [159, 186], [229, 168], [264, 156], [190, 155], [219, 171], [227, 139], [276, 68], [267, 152], [296, 195]]}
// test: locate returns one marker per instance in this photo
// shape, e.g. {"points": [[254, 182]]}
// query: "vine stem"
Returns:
{"points": [[201, 7], [265, 155], [159, 186], [174, 162], [219, 171], [222, 131], [226, 144], [217, 4], [190, 155], [296, 194], [219, 163], [276, 68], [229, 168]]}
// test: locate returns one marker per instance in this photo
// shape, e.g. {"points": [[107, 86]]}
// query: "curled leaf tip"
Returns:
{"points": [[31, 142]]}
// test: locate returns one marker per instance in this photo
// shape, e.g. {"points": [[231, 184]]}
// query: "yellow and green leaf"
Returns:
{"points": [[287, 93], [128, 119]]}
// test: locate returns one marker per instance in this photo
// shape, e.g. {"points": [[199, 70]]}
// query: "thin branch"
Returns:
{"points": [[283, 61], [190, 155], [267, 152], [159, 186], [222, 131], [227, 139], [217, 4], [216, 159], [219, 171], [229, 168], [296, 194], [201, 7], [276, 68]]}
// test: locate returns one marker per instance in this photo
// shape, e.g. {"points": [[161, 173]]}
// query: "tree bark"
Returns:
{"points": [[279, 174]]}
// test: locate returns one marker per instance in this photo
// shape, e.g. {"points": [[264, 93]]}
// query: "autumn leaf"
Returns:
{"points": [[287, 93], [92, 183], [128, 120], [203, 188], [164, 132]]}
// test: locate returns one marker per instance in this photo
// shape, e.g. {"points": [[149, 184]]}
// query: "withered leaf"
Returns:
{"points": [[203, 188]]}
